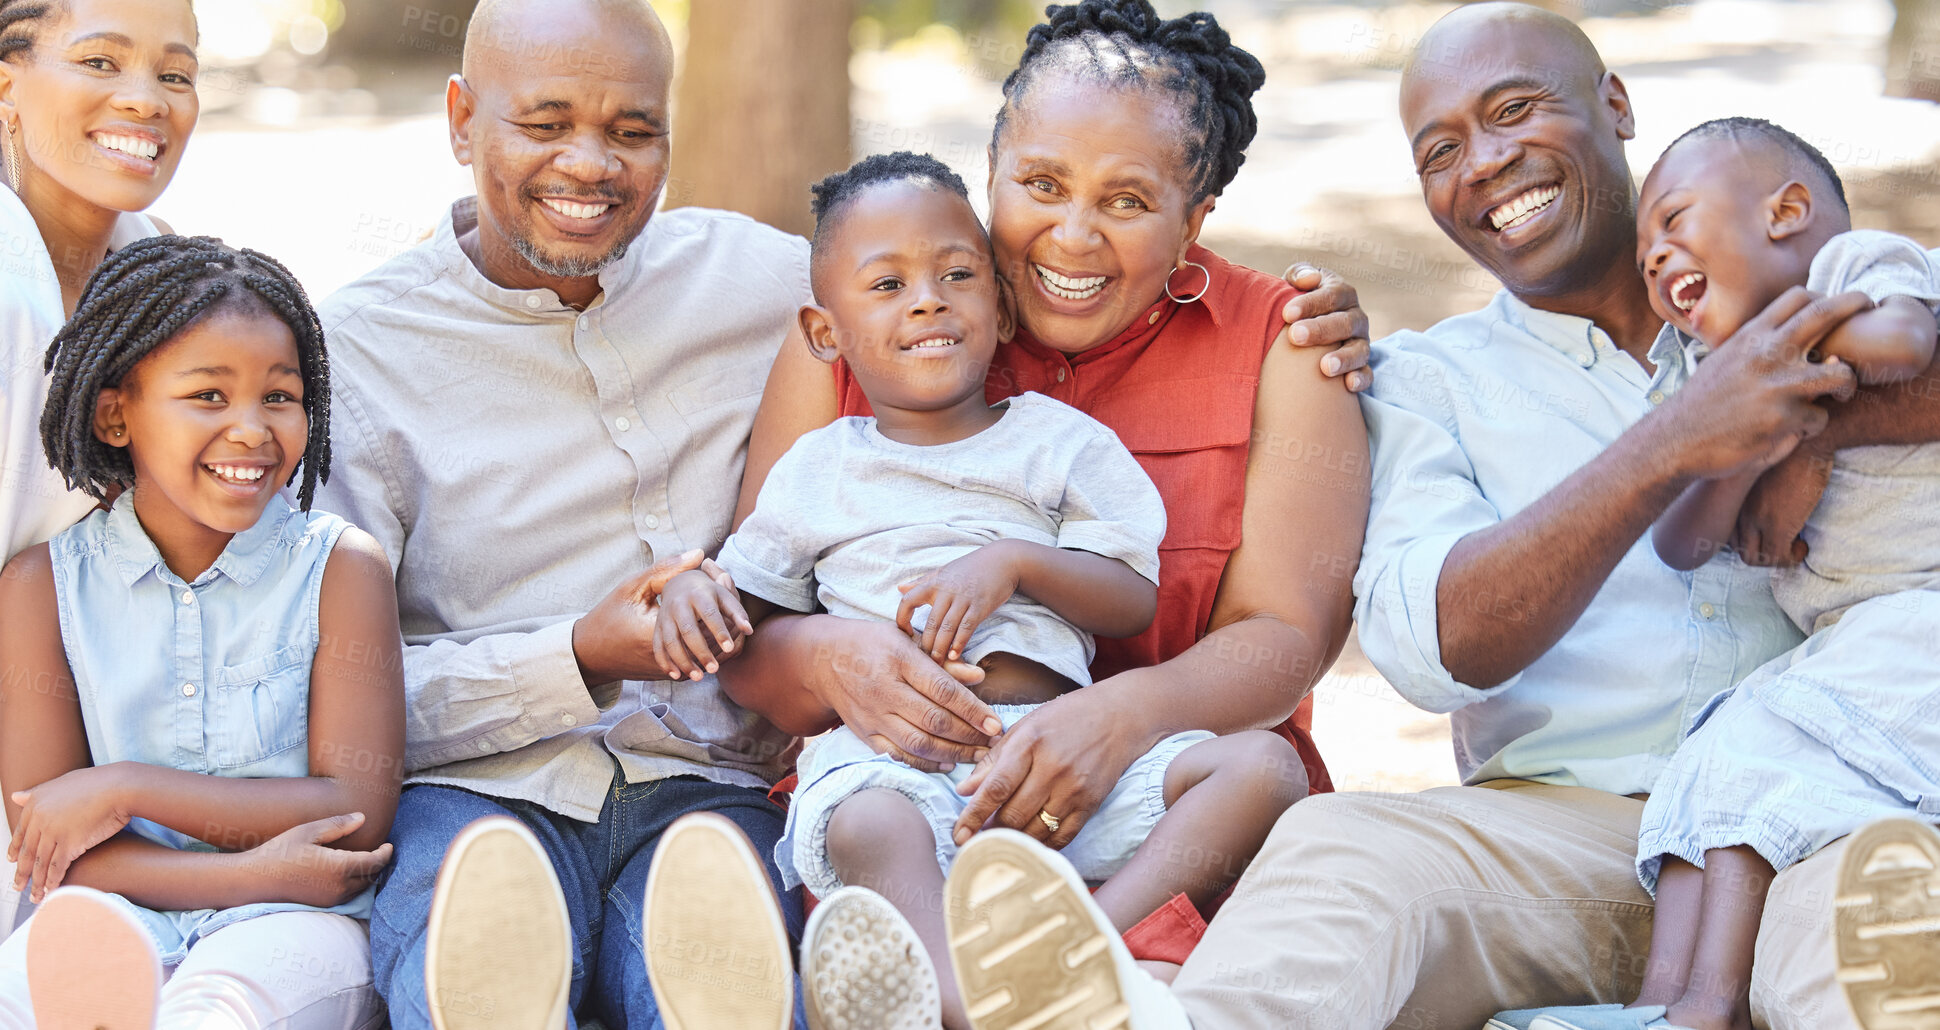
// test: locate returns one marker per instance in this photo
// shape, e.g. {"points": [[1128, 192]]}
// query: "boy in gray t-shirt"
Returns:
{"points": [[1001, 536]]}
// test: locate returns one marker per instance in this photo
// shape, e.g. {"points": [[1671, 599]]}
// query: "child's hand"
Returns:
{"points": [[296, 866], [700, 622], [960, 595], [59, 821]]}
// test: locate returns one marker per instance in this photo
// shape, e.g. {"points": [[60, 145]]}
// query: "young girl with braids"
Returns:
{"points": [[204, 697]]}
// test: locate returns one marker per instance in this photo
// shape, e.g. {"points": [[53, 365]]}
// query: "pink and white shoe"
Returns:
{"points": [[91, 965]]}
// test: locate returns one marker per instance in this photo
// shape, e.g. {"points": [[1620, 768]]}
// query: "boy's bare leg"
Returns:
{"points": [[1674, 933], [879, 839], [1223, 797], [1718, 994]]}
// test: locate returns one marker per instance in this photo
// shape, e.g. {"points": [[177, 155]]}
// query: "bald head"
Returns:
{"points": [[562, 112], [541, 36], [1479, 34], [1517, 131]]}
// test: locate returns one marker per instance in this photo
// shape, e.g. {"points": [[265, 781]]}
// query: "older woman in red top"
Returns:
{"points": [[1118, 132]]}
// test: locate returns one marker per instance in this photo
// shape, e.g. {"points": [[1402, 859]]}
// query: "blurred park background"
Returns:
{"points": [[322, 142]]}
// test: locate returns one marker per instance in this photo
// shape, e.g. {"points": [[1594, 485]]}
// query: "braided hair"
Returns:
{"points": [[137, 300], [1126, 43], [17, 18], [834, 194]]}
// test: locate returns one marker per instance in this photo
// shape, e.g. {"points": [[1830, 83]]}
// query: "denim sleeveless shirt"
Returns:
{"points": [[209, 677]]}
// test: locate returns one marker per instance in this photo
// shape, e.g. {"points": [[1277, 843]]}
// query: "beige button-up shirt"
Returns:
{"points": [[518, 459]]}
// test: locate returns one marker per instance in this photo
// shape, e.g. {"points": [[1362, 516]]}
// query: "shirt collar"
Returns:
{"points": [[1676, 356], [463, 216], [1576, 337], [243, 560]]}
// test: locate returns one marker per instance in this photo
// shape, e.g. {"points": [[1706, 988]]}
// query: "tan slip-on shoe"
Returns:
{"points": [[717, 951], [90, 964], [498, 948], [1887, 925], [864, 968], [1032, 951]]}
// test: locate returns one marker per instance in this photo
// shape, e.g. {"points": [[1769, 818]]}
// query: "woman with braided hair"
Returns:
{"points": [[204, 727], [1118, 132]]}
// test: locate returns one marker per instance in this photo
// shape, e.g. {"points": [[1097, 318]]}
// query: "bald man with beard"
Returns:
{"points": [[1520, 452], [541, 412]]}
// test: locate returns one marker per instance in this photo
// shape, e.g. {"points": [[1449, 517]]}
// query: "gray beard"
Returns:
{"points": [[573, 268]]}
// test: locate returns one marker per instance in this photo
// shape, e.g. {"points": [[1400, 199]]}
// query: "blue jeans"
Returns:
{"points": [[601, 866]]}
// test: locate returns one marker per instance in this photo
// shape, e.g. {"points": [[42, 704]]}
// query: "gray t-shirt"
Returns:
{"points": [[848, 514], [1874, 531]]}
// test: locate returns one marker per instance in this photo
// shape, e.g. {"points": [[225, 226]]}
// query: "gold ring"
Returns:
{"points": [[1050, 821]]}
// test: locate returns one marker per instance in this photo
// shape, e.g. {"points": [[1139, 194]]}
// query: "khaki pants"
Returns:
{"points": [[1434, 911]]}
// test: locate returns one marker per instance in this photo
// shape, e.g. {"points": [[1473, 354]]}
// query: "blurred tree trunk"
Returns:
{"points": [[413, 32], [1913, 51], [762, 106]]}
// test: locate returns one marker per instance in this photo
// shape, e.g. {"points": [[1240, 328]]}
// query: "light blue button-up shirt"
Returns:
{"points": [[210, 676], [1474, 420]]}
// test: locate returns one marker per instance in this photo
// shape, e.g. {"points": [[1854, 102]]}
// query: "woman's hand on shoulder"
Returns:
{"points": [[1328, 314]]}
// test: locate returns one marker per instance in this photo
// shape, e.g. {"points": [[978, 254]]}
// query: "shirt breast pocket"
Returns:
{"points": [[259, 708]]}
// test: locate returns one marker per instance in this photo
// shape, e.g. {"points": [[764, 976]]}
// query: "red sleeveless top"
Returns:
{"points": [[1177, 386]]}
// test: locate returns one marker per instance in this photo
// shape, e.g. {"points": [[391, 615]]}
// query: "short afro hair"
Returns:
{"points": [[1736, 128], [833, 195]]}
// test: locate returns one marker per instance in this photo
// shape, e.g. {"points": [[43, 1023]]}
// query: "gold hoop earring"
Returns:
{"points": [[1207, 285]]}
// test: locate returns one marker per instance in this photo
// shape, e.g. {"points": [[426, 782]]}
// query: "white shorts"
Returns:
{"points": [[837, 765], [1840, 731]]}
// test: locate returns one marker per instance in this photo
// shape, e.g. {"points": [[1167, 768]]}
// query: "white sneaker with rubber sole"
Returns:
{"points": [[498, 947], [717, 950], [1886, 922], [864, 968], [1032, 951], [90, 964]]}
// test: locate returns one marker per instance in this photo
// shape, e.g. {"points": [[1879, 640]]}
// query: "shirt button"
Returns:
{"points": [[1657, 396], [1586, 360], [622, 424], [533, 301], [569, 720], [1060, 375], [188, 597], [652, 521], [1152, 319], [1707, 609], [188, 690], [484, 746], [584, 321]]}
